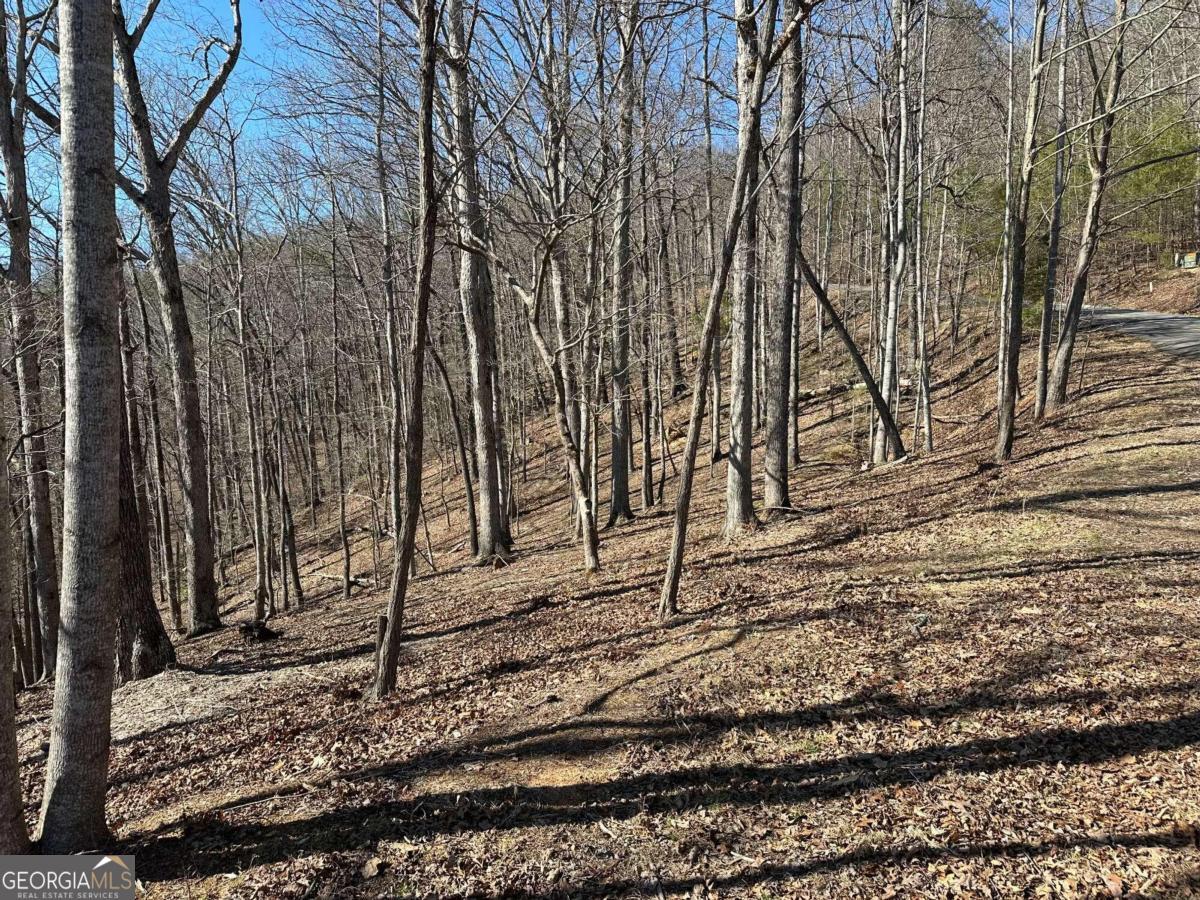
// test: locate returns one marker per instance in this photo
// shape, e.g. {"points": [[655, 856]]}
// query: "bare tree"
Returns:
{"points": [[154, 199], [413, 422], [758, 53], [1018, 214], [29, 32], [1108, 76], [13, 836], [77, 766], [781, 308]]}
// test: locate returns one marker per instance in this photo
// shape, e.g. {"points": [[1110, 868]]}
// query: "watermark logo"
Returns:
{"points": [[67, 878]]}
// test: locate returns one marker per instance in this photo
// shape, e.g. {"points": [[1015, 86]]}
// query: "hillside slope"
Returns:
{"points": [[937, 679]]}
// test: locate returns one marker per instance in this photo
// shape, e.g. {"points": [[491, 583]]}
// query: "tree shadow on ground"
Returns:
{"points": [[226, 846], [870, 855]]}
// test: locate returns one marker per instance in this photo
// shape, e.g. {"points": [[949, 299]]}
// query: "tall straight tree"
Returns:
{"points": [[143, 647], [475, 291], [154, 199], [1049, 291], [619, 509], [782, 303], [756, 52], [77, 767], [1012, 305], [414, 416], [13, 836], [898, 233], [739, 498], [18, 273]]}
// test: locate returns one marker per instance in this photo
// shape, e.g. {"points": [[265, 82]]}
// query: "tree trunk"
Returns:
{"points": [[475, 290], [782, 303], [747, 154], [897, 256], [1014, 301], [13, 836], [414, 420], [19, 276], [739, 502], [1098, 151], [142, 646], [1049, 294], [77, 766], [619, 507]]}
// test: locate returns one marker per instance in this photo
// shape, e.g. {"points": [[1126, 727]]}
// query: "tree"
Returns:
{"points": [[1018, 215], [154, 199], [475, 291], [143, 647], [739, 503], [13, 836], [619, 508], [783, 299], [29, 32], [1108, 76], [413, 423], [77, 767], [758, 54]]}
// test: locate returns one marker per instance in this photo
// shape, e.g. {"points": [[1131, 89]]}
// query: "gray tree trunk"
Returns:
{"points": [[155, 201], [19, 276], [13, 836], [1014, 301], [143, 648], [749, 48], [739, 502], [619, 506], [1049, 294], [782, 300], [77, 767], [1099, 143], [475, 291], [414, 419]]}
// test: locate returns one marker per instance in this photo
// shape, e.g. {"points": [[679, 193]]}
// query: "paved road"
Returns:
{"points": [[1175, 334]]}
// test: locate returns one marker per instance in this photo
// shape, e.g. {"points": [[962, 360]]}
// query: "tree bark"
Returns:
{"points": [[77, 766], [747, 148], [414, 420], [1099, 144], [475, 291], [1049, 294], [782, 303], [155, 201], [1014, 301], [19, 276], [142, 645], [619, 507], [739, 502], [13, 836]]}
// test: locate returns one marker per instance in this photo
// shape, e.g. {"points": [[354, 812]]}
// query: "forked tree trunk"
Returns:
{"points": [[77, 766], [1049, 293], [1099, 145], [1014, 301]]}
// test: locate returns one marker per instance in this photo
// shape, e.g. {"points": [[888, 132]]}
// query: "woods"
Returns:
{"points": [[319, 303]]}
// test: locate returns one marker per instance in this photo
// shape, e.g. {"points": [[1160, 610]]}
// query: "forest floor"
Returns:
{"points": [[938, 678]]}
